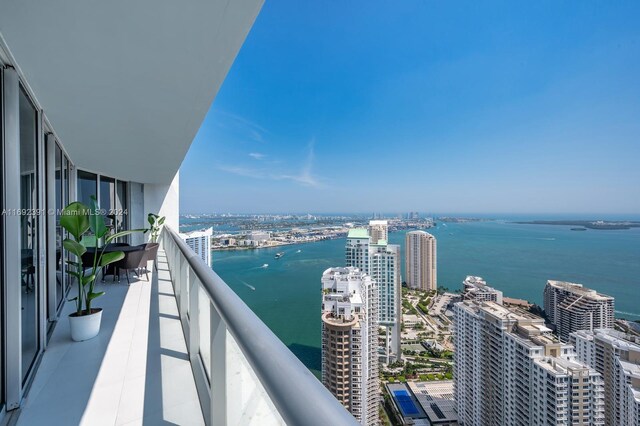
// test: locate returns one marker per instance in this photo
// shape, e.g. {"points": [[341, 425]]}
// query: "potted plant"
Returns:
{"points": [[156, 223], [79, 221]]}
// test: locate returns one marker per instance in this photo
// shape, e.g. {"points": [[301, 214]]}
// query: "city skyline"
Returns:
{"points": [[530, 109]]}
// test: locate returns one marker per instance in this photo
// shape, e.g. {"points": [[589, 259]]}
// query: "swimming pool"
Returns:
{"points": [[405, 403]]}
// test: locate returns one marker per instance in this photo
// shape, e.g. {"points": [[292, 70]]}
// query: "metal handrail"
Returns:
{"points": [[297, 394]]}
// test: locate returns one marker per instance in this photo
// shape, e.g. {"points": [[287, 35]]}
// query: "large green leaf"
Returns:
{"points": [[89, 241], [123, 233], [91, 296], [96, 220], [161, 221], [111, 257], [76, 274], [151, 218], [75, 219], [86, 280], [74, 247]]}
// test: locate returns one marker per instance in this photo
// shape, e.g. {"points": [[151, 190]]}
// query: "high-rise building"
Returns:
{"points": [[616, 356], [350, 341], [475, 288], [378, 230], [421, 261], [381, 261], [200, 243], [510, 370], [571, 307]]}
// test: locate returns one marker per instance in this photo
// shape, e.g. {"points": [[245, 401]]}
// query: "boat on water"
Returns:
{"points": [[266, 265], [298, 251], [279, 255]]}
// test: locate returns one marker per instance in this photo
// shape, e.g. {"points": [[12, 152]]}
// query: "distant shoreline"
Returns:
{"points": [[590, 224]]}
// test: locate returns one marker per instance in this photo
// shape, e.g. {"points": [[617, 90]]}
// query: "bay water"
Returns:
{"points": [[515, 258]]}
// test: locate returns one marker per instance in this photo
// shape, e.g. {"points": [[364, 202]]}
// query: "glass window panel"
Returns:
{"points": [[121, 206], [87, 186], [29, 237], [107, 199], [66, 185], [59, 230]]}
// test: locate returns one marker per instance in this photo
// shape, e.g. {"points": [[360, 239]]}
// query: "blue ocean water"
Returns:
{"points": [[515, 258]]}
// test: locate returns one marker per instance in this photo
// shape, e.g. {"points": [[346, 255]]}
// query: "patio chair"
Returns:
{"points": [[151, 253], [133, 260]]}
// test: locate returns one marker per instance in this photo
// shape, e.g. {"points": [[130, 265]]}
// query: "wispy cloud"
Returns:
{"points": [[243, 171], [303, 177], [257, 155], [250, 129]]}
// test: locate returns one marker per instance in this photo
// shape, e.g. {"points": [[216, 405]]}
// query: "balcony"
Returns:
{"points": [[180, 349]]}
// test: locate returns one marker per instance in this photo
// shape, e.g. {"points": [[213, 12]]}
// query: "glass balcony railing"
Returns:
{"points": [[244, 373]]}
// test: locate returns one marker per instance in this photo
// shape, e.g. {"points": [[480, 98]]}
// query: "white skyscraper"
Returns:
{"points": [[616, 356], [421, 261], [510, 370], [200, 243], [381, 261], [571, 307], [350, 341]]}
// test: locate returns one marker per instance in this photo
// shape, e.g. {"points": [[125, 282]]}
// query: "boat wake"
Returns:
{"points": [[248, 285], [264, 266]]}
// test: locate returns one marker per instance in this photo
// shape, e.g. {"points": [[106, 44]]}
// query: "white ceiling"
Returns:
{"points": [[126, 84]]}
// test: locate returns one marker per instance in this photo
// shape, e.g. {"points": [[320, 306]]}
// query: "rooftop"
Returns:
{"points": [[436, 399], [197, 233], [358, 233], [579, 290], [561, 365]]}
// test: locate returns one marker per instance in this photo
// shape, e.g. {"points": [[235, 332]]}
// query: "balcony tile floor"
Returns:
{"points": [[135, 372]]}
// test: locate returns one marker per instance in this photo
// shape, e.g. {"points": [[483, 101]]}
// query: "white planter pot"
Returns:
{"points": [[85, 327]]}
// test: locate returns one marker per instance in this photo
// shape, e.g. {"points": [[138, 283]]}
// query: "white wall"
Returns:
{"points": [[164, 200]]}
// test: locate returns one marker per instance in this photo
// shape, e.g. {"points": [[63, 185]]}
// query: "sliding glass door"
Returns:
{"points": [[29, 233]]}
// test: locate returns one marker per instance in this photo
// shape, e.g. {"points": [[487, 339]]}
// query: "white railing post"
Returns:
{"points": [[218, 369], [175, 267], [194, 315], [184, 293]]}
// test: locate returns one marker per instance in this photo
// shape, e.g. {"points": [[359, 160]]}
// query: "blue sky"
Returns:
{"points": [[357, 106]]}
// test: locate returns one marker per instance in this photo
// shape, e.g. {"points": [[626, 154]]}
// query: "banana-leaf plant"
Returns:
{"points": [[156, 223], [79, 220]]}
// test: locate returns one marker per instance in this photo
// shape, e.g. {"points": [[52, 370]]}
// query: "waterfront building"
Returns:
{"points": [[200, 243], [378, 230], [571, 307], [350, 341], [475, 288], [510, 370], [258, 236], [421, 261], [616, 356], [381, 261]]}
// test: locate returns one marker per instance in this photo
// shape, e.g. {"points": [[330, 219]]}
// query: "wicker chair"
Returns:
{"points": [[133, 260]]}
